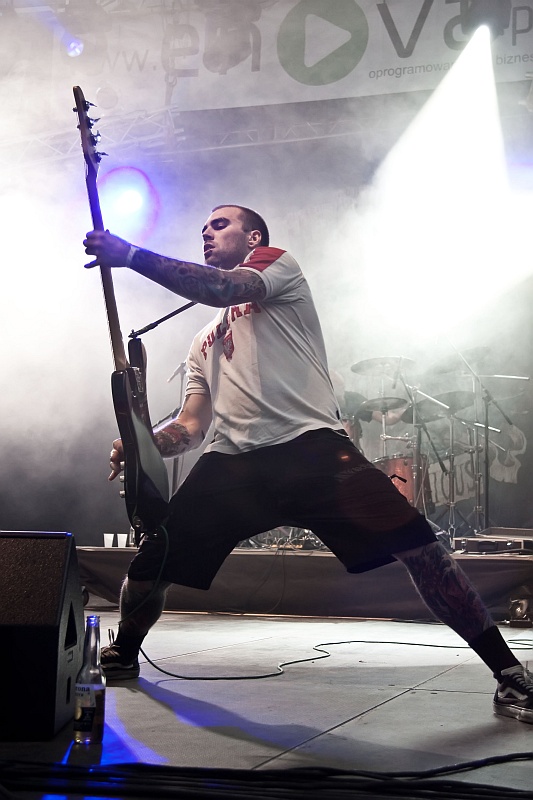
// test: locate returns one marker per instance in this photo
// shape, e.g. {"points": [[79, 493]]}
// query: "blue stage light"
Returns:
{"points": [[130, 203], [73, 47]]}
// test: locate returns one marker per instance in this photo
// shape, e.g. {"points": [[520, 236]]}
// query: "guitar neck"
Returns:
{"points": [[115, 334], [92, 160]]}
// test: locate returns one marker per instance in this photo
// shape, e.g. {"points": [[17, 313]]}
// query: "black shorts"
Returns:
{"points": [[318, 481]]}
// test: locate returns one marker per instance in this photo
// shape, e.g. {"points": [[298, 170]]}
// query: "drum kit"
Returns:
{"points": [[463, 408], [431, 441]]}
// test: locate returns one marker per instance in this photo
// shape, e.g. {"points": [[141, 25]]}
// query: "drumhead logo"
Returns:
{"points": [[329, 22]]}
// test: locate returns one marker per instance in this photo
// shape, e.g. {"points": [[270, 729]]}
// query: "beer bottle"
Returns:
{"points": [[90, 689]]}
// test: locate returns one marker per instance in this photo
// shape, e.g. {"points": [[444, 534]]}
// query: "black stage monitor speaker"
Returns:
{"points": [[41, 633]]}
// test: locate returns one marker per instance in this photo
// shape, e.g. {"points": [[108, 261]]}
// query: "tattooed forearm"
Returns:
{"points": [[202, 284], [173, 439]]}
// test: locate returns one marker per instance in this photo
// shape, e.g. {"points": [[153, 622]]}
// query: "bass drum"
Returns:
{"points": [[400, 469]]}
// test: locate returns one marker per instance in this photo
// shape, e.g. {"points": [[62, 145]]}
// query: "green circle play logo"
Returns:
{"points": [[322, 41]]}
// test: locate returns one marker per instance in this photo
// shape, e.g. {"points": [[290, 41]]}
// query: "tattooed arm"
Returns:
{"points": [[197, 282], [188, 429], [183, 433]]}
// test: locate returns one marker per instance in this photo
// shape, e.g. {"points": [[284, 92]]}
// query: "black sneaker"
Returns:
{"points": [[114, 667], [514, 695]]}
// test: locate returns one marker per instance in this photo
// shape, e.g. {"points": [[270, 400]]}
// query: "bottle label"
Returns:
{"points": [[89, 711], [86, 693]]}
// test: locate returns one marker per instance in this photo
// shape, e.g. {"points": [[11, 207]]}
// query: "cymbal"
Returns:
{"points": [[379, 366], [454, 363], [456, 400], [382, 404], [427, 411]]}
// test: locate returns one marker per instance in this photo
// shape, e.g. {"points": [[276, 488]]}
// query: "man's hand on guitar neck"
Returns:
{"points": [[110, 250]]}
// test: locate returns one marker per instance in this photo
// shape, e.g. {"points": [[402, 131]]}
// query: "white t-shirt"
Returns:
{"points": [[264, 364]]}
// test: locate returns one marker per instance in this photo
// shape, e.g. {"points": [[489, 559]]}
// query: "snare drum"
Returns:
{"points": [[400, 469]]}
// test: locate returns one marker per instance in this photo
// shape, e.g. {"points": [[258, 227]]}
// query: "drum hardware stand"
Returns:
{"points": [[487, 398], [475, 449], [452, 506]]}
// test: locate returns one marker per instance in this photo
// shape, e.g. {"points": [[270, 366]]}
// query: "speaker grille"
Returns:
{"points": [[32, 577]]}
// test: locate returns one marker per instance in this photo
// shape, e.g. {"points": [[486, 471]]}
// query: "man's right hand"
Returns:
{"points": [[116, 459]]}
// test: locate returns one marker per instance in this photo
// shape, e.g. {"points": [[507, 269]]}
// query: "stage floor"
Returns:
{"points": [[398, 692], [392, 696]]}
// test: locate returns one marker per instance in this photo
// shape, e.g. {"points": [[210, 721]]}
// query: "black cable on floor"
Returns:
{"points": [[318, 648], [159, 781]]}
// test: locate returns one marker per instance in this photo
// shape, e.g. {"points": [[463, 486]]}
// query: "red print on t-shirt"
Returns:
{"points": [[228, 345]]}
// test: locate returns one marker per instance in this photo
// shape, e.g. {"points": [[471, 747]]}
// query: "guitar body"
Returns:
{"points": [[146, 486]]}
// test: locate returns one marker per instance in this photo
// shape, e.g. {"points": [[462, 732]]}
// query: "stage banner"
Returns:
{"points": [[208, 54]]}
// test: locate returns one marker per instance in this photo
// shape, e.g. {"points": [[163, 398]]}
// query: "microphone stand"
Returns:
{"points": [[152, 325], [179, 371]]}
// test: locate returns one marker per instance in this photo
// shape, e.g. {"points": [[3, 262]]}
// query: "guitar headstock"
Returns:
{"points": [[89, 140]]}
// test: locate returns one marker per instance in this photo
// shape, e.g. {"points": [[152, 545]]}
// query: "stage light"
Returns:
{"points": [[73, 47], [441, 198], [70, 43], [81, 30], [495, 14], [107, 96], [130, 203]]}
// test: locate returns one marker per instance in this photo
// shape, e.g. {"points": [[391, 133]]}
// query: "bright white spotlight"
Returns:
{"points": [[435, 232]]}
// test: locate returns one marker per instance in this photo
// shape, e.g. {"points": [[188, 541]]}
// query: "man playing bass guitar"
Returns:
{"points": [[279, 454]]}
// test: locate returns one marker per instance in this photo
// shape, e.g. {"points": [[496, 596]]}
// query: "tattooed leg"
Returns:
{"points": [[140, 608], [446, 590]]}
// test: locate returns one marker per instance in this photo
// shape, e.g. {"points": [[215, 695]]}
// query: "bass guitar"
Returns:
{"points": [[146, 485]]}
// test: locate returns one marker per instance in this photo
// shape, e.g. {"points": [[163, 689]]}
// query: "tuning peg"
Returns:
{"points": [[122, 493]]}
